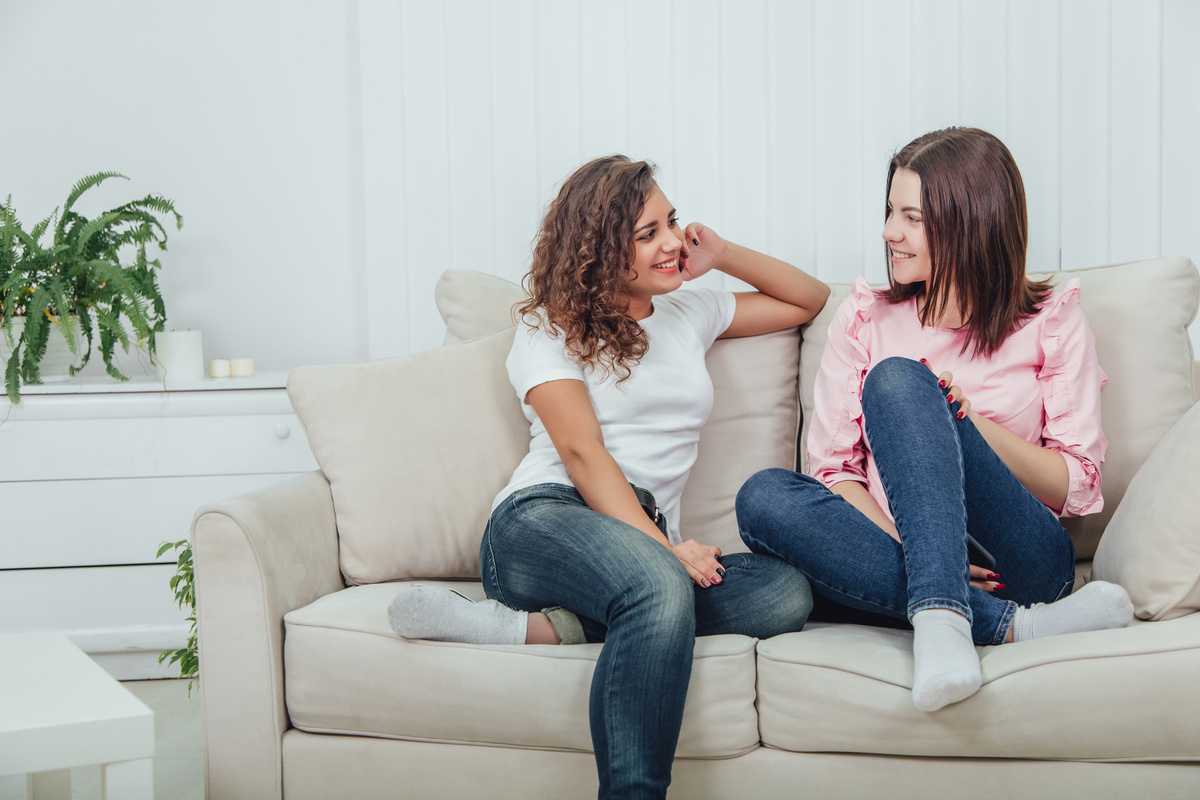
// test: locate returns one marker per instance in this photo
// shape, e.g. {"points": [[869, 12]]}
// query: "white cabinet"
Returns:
{"points": [[95, 475]]}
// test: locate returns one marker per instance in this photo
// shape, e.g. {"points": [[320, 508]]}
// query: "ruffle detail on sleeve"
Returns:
{"points": [[1071, 379], [844, 455]]}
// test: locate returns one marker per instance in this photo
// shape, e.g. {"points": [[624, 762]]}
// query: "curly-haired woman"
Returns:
{"points": [[609, 365]]}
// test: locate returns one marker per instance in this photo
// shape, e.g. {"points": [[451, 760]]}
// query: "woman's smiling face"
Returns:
{"points": [[657, 244], [904, 229]]}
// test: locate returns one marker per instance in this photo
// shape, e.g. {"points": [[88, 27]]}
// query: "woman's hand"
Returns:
{"points": [[700, 561], [954, 393], [702, 250], [985, 579]]}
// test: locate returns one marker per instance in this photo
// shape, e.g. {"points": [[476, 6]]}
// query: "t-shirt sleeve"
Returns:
{"points": [[835, 447], [537, 357], [1071, 378], [708, 311]]}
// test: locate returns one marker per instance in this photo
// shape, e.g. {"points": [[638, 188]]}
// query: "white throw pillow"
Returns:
{"points": [[1152, 544], [415, 448], [1139, 312], [755, 415]]}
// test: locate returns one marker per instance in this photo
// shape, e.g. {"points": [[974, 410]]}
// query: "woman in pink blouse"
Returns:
{"points": [[957, 418]]}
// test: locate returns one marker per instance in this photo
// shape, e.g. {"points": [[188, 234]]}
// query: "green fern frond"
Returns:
{"points": [[12, 377], [84, 184], [91, 228]]}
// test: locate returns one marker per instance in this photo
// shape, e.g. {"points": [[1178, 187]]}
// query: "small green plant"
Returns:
{"points": [[80, 274], [181, 583]]}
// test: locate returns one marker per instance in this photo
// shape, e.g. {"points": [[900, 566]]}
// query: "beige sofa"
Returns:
{"points": [[307, 693]]}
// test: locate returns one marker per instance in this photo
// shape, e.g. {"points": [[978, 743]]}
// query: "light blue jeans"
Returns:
{"points": [[544, 547], [942, 481]]}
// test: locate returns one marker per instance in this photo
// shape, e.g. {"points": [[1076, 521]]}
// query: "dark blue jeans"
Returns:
{"points": [[544, 547], [942, 481]]}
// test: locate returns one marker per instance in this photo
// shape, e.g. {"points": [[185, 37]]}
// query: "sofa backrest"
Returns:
{"points": [[415, 447]]}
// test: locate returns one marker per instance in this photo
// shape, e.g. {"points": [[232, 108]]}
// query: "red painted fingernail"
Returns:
{"points": [[999, 586], [942, 384], [960, 414], [923, 361], [949, 398], [992, 576]]}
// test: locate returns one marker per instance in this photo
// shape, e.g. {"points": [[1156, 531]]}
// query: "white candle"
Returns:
{"points": [[219, 368], [179, 355], [242, 367]]}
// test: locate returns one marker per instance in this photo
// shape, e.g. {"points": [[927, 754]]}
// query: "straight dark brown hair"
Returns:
{"points": [[977, 228]]}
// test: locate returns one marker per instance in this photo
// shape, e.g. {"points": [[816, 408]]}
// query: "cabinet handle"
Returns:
{"points": [[282, 431]]}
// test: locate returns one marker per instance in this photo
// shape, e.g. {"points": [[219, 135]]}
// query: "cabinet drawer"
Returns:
{"points": [[102, 609], [107, 522], [75, 449]]}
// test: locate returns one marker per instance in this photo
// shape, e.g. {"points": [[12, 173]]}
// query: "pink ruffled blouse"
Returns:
{"points": [[1043, 384]]}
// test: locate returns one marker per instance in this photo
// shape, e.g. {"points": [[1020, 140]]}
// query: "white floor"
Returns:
{"points": [[178, 746]]}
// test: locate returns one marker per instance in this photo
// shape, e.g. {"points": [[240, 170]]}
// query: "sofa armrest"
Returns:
{"points": [[256, 557]]}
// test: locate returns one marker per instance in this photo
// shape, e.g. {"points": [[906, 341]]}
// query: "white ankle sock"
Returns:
{"points": [[1097, 606], [945, 664], [434, 612]]}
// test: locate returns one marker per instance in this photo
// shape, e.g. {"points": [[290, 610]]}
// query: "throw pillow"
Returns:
{"points": [[1152, 545], [415, 448]]}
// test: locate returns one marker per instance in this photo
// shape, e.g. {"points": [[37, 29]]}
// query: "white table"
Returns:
{"points": [[59, 709]]}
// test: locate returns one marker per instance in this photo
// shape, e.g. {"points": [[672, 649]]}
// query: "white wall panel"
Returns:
{"points": [[1136, 129], [1181, 132], [983, 53], [839, 135], [1034, 127], [518, 197], [790, 124], [1086, 134], [603, 53]]}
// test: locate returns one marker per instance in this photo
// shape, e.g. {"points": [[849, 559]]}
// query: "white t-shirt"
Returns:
{"points": [[650, 422]]}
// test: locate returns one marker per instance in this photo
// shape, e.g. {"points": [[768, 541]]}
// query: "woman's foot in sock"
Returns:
{"points": [[945, 664], [1097, 606], [421, 611]]}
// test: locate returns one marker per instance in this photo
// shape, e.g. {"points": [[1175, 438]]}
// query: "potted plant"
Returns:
{"points": [[77, 283]]}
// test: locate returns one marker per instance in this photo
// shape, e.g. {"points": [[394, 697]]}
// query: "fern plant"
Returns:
{"points": [[188, 657], [80, 273]]}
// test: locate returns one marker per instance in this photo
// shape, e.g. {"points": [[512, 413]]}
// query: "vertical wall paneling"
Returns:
{"points": [[356, 224], [557, 80], [982, 76], [426, 163], [933, 37], [518, 197], [839, 136], [692, 178], [743, 159], [472, 218], [892, 78], [1181, 133], [1136, 128], [791, 152], [651, 82], [1033, 104], [603, 43], [385, 221], [1086, 139]]}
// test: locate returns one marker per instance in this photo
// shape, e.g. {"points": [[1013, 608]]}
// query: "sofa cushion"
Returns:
{"points": [[414, 448], [348, 673], [755, 416], [1152, 545], [1139, 313], [1096, 695]]}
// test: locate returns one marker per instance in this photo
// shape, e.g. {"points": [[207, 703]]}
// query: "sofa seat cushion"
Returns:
{"points": [[346, 672], [1097, 695]]}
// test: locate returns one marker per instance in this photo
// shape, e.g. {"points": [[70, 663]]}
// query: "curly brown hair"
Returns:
{"points": [[582, 262], [977, 227]]}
